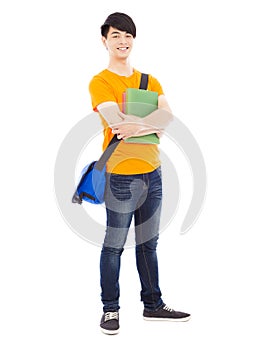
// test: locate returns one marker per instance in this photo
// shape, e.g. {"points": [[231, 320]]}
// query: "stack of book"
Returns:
{"points": [[140, 103]]}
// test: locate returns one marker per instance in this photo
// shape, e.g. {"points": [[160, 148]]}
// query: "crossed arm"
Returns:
{"points": [[125, 125]]}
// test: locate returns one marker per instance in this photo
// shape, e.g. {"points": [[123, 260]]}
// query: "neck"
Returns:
{"points": [[120, 67]]}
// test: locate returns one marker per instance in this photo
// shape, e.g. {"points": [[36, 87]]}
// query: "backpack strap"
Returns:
{"points": [[143, 81], [107, 153]]}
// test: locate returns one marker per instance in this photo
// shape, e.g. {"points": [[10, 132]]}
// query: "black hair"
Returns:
{"points": [[120, 21]]}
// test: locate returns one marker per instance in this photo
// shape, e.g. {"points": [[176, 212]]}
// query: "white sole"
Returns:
{"points": [[184, 319], [105, 331]]}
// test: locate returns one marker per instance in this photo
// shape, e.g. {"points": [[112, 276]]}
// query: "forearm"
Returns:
{"points": [[146, 131], [159, 119], [129, 125], [110, 112]]}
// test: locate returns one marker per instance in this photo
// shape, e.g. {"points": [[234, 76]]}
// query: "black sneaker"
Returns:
{"points": [[165, 313], [110, 322]]}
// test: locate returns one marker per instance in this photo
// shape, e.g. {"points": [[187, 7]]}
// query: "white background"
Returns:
{"points": [[207, 55]]}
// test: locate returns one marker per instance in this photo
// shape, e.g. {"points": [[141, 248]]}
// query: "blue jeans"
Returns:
{"points": [[128, 196]]}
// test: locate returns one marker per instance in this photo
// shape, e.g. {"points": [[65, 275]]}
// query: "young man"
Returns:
{"points": [[134, 187]]}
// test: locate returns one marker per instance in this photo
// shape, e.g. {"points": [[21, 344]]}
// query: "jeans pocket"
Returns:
{"points": [[118, 187]]}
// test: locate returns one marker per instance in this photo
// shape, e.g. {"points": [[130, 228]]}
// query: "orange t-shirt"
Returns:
{"points": [[127, 158]]}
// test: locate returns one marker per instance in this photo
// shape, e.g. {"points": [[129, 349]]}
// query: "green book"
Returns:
{"points": [[140, 103]]}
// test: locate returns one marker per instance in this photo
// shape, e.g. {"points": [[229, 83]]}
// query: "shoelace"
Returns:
{"points": [[111, 316], [168, 308]]}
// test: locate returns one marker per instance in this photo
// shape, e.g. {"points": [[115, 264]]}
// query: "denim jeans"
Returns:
{"points": [[126, 197]]}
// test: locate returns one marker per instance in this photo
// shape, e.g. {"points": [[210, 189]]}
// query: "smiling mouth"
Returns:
{"points": [[122, 48]]}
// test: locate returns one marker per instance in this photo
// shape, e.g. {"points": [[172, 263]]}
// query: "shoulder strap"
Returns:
{"points": [[143, 81], [107, 153]]}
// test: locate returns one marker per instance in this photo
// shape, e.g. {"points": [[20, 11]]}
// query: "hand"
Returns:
{"points": [[125, 130], [129, 126], [129, 118]]}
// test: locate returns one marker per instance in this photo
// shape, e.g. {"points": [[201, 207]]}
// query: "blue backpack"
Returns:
{"points": [[91, 186]]}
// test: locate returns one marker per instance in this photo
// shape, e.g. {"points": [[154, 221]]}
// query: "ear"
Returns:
{"points": [[104, 41]]}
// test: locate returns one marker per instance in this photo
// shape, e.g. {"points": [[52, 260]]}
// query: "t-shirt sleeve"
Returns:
{"points": [[154, 85], [100, 91]]}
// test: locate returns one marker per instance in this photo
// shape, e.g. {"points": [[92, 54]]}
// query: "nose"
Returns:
{"points": [[123, 39]]}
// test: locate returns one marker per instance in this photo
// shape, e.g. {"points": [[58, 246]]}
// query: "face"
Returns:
{"points": [[118, 43]]}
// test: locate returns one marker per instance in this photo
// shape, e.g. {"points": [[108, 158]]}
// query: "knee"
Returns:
{"points": [[112, 250], [149, 245]]}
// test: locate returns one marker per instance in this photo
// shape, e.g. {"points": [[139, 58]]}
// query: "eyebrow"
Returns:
{"points": [[115, 32]]}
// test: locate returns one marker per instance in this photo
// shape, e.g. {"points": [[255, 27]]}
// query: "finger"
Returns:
{"points": [[121, 115], [115, 126]]}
